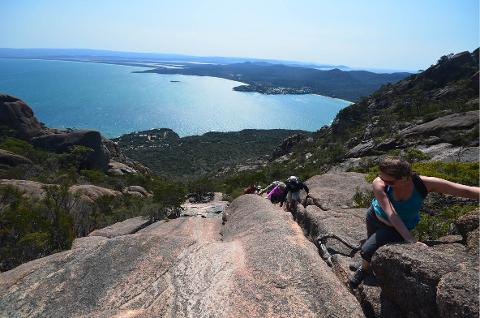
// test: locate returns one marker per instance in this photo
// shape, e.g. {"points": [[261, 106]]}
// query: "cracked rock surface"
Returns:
{"points": [[259, 264]]}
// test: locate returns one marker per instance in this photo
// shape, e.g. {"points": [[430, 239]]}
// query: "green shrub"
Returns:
{"points": [[168, 193], [31, 228], [17, 146], [362, 199], [460, 172], [434, 227], [25, 149], [96, 177], [157, 211], [415, 155]]}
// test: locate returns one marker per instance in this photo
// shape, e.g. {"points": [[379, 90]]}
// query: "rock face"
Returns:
{"points": [[286, 146], [138, 191], [11, 159], [31, 189], [119, 169], [205, 209], [409, 281], [17, 115], [122, 228], [258, 264], [448, 128], [457, 293], [64, 141], [446, 152], [410, 277], [336, 190], [443, 138], [91, 193]]}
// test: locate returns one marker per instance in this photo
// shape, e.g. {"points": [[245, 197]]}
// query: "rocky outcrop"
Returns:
{"points": [[336, 190], [30, 189], [468, 227], [409, 276], [362, 149], [11, 159], [258, 264], [410, 280], [64, 141], [129, 226], [138, 191], [17, 115], [446, 152], [286, 146], [448, 128], [447, 138], [119, 169], [91, 193], [457, 293], [468, 223], [205, 209], [252, 219]]}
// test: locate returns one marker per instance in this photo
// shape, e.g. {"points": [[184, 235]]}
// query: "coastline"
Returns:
{"points": [[227, 114], [244, 87]]}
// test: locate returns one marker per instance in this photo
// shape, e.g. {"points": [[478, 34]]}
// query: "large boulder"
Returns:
{"points": [[91, 193], [362, 149], [64, 141], [468, 223], [468, 227], [446, 152], [409, 276], [336, 189], [30, 189], [260, 266], [17, 115], [12, 159], [457, 293], [449, 129], [137, 191], [119, 169]]}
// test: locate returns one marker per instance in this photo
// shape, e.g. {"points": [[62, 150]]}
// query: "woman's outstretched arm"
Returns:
{"points": [[447, 187]]}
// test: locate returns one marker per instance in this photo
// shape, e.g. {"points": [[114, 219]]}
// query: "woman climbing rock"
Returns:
{"points": [[395, 209]]}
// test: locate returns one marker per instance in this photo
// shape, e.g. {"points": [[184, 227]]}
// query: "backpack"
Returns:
{"points": [[294, 185], [419, 185]]}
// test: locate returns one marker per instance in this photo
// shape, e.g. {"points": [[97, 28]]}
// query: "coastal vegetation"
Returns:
{"points": [[210, 154]]}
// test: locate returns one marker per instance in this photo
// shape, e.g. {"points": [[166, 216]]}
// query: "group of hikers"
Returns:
{"points": [[394, 211], [281, 192]]}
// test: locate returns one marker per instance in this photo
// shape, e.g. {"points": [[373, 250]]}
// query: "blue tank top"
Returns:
{"points": [[408, 210]]}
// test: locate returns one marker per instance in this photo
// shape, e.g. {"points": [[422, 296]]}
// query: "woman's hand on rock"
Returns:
{"points": [[421, 244]]}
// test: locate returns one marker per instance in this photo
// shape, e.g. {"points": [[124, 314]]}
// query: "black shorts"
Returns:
{"points": [[378, 234]]}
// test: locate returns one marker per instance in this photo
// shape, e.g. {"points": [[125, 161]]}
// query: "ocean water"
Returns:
{"points": [[115, 101]]}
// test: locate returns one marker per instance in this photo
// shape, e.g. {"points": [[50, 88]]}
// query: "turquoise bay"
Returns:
{"points": [[115, 101]]}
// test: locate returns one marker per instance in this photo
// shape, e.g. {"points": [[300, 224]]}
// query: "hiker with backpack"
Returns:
{"points": [[277, 193], [269, 188], [292, 195], [394, 211]]}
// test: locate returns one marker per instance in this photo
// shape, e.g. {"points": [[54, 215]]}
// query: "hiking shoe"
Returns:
{"points": [[357, 278], [355, 266]]}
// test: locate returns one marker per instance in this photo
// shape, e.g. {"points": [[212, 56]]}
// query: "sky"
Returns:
{"points": [[393, 34]]}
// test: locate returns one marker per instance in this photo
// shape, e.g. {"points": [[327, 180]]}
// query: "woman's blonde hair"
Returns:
{"points": [[395, 167]]}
